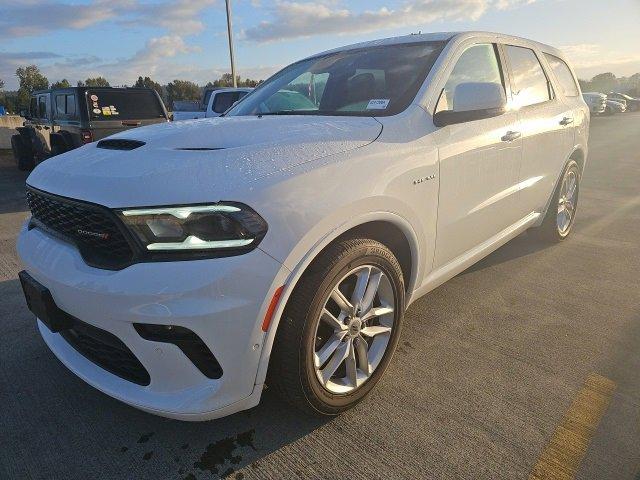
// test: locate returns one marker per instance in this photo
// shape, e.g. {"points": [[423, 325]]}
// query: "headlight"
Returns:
{"points": [[220, 227]]}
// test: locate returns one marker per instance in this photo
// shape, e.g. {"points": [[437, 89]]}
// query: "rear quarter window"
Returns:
{"points": [[563, 73], [123, 105]]}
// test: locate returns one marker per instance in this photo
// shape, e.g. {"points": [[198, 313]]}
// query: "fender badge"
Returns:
{"points": [[424, 179]]}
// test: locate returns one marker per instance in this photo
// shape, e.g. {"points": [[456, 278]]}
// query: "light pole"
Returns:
{"points": [[230, 32]]}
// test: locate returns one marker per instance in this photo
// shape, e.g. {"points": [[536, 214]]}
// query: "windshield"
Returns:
{"points": [[107, 104], [378, 81]]}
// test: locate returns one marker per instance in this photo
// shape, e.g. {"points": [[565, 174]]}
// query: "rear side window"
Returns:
{"points": [[70, 105], [477, 64], [107, 104], [529, 82], [61, 105], [65, 106], [42, 106], [563, 74], [223, 100]]}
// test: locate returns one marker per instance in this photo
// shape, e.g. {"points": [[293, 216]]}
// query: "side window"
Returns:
{"points": [[33, 107], [61, 105], [70, 101], [529, 82], [563, 74], [477, 64], [223, 100], [42, 107]]}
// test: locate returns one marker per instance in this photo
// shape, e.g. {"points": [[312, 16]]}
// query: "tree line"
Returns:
{"points": [[608, 82], [31, 79]]}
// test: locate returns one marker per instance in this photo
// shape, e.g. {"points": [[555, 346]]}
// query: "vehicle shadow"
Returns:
{"points": [[12, 185], [57, 426], [521, 246]]}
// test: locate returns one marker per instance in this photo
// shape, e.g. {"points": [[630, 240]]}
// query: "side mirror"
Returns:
{"points": [[473, 101]]}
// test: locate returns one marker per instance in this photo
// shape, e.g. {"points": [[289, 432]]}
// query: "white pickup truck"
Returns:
{"points": [[215, 101]]}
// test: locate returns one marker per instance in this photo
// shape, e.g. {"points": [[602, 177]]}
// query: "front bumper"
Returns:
{"points": [[221, 300]]}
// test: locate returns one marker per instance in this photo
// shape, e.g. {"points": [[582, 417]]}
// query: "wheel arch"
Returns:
{"points": [[388, 228], [578, 155]]}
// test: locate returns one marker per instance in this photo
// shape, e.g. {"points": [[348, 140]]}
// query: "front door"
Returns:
{"points": [[479, 164]]}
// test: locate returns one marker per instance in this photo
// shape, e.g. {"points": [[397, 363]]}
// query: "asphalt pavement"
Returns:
{"points": [[527, 365]]}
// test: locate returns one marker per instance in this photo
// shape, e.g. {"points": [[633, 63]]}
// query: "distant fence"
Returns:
{"points": [[8, 124]]}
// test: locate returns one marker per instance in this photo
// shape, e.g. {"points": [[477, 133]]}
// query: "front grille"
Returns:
{"points": [[91, 227], [107, 351]]}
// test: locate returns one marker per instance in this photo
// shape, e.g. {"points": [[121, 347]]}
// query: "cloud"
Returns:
{"points": [[36, 17], [589, 59], [506, 4], [299, 20], [293, 19], [178, 18]]}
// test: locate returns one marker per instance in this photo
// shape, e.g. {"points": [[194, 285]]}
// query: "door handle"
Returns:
{"points": [[566, 121], [45, 127], [510, 136]]}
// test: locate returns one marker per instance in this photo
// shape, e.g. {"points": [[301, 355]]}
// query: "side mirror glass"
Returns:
{"points": [[473, 101]]}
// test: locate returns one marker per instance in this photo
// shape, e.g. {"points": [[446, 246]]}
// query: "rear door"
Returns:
{"points": [[112, 110], [479, 162], [545, 123], [576, 119]]}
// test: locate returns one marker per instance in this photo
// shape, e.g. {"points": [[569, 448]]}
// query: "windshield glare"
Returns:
{"points": [[378, 81]]}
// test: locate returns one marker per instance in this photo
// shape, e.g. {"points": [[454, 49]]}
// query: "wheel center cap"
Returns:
{"points": [[354, 327]]}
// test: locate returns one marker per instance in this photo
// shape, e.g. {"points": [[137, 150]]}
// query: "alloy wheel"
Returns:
{"points": [[353, 331], [567, 201]]}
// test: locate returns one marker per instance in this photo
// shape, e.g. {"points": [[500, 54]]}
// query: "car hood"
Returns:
{"points": [[200, 160]]}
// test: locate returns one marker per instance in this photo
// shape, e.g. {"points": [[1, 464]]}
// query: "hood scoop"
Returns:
{"points": [[119, 144]]}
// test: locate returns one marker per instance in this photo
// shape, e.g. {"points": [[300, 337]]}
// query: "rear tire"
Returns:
{"points": [[561, 214], [315, 332], [22, 153]]}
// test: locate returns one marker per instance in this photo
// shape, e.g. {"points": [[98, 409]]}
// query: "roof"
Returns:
{"points": [[84, 88], [439, 37]]}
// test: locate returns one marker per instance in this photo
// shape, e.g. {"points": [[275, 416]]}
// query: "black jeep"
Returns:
{"points": [[63, 119]]}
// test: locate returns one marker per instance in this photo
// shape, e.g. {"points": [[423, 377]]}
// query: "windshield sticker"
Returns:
{"points": [[94, 98], [378, 104], [97, 111]]}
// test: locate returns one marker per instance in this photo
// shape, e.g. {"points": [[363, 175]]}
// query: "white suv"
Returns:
{"points": [[179, 267]]}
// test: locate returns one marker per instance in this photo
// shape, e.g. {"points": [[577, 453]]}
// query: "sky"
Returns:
{"points": [[187, 39]]}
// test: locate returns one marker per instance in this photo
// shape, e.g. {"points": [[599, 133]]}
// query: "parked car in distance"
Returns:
{"points": [[597, 102], [633, 104], [615, 106], [60, 120], [180, 267], [215, 101]]}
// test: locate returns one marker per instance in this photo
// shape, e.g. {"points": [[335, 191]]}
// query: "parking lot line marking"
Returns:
{"points": [[563, 454]]}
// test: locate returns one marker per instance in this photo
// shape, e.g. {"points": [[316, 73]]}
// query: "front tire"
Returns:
{"points": [[561, 214], [339, 328]]}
